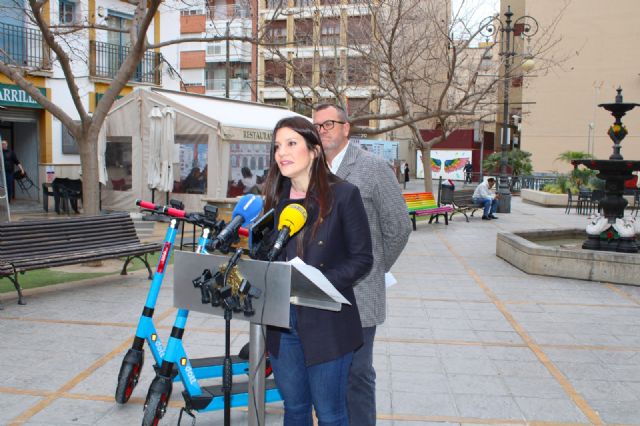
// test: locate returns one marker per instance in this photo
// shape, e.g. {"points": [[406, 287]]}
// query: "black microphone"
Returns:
{"points": [[292, 219]]}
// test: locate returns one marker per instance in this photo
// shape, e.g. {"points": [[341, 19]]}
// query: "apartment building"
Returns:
{"points": [[593, 56], [41, 142], [313, 53], [221, 68]]}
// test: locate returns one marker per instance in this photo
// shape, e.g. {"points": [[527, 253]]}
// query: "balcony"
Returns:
{"points": [[23, 47], [235, 84], [106, 59], [227, 12]]}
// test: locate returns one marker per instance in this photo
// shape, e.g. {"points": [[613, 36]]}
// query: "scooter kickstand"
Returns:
{"points": [[186, 410]]}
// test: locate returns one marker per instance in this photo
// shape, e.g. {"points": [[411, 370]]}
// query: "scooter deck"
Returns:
{"points": [[212, 397], [211, 367]]}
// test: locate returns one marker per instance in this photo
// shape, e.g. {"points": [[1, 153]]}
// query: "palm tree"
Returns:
{"points": [[570, 156], [577, 176]]}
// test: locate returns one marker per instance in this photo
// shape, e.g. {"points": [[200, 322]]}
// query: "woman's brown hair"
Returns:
{"points": [[319, 191]]}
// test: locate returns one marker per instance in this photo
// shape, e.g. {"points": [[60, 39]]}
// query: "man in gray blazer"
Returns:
{"points": [[390, 228]]}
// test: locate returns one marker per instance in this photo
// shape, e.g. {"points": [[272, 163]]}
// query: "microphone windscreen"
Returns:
{"points": [[249, 207], [293, 217]]}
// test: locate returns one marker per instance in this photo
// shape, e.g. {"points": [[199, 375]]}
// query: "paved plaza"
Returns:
{"points": [[469, 340]]}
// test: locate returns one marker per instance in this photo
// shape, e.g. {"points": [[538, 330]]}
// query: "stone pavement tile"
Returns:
{"points": [[534, 387], [618, 357], [546, 409], [552, 338], [483, 312], [522, 369], [499, 336], [419, 382], [449, 324], [383, 401], [475, 352], [584, 371], [73, 412], [422, 404], [620, 412], [499, 353], [484, 367], [605, 390], [477, 384], [624, 372], [487, 406], [572, 355], [14, 404], [454, 314], [490, 325], [401, 330], [462, 335], [412, 363], [414, 350]]}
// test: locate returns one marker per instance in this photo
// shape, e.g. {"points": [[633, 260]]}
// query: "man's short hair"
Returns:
{"points": [[342, 114], [491, 180]]}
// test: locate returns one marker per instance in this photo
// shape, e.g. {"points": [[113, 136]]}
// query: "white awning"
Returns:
{"points": [[241, 121]]}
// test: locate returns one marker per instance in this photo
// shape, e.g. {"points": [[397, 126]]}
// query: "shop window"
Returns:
{"points": [[118, 162], [192, 164], [69, 144], [249, 168]]}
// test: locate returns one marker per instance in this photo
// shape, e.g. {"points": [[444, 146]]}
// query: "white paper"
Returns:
{"points": [[318, 278], [389, 279]]}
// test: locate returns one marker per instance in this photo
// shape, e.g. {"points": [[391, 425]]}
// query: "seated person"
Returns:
{"points": [[249, 181], [488, 198]]}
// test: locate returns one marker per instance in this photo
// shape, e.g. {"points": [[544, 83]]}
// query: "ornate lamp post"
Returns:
{"points": [[528, 26]]}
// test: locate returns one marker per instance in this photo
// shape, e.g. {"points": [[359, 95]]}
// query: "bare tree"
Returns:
{"points": [[65, 46], [411, 61]]}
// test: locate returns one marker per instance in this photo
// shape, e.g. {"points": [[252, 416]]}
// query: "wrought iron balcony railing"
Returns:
{"points": [[23, 47], [106, 59]]}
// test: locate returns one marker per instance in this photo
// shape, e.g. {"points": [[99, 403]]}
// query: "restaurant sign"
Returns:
{"points": [[11, 95], [238, 134]]}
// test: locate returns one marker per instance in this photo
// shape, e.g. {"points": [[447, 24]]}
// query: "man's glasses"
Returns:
{"points": [[327, 125]]}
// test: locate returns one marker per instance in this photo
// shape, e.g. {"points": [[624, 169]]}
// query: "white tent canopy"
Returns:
{"points": [[209, 126]]}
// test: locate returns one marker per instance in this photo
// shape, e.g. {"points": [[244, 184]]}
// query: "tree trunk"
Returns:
{"points": [[90, 185], [426, 166]]}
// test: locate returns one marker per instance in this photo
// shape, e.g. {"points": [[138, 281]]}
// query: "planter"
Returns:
{"points": [[545, 199]]}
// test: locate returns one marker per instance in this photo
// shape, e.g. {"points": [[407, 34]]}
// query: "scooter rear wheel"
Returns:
{"points": [[127, 381], [154, 408]]}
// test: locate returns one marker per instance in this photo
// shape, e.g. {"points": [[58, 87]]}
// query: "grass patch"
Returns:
{"points": [[46, 277]]}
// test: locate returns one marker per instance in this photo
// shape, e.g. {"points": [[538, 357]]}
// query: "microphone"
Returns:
{"points": [[292, 219], [246, 211]]}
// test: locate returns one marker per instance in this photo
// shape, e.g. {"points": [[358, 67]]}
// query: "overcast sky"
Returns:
{"points": [[474, 11]]}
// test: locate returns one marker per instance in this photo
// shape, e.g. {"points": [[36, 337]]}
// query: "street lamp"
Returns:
{"points": [[526, 25]]}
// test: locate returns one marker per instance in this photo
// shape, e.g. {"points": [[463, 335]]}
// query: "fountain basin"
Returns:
{"points": [[534, 253]]}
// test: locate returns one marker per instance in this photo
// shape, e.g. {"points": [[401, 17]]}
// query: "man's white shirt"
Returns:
{"points": [[483, 191], [335, 164]]}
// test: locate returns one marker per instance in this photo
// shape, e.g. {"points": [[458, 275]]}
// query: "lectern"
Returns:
{"points": [[275, 285]]}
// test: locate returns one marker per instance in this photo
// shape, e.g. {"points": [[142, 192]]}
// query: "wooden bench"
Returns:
{"points": [[424, 204], [39, 244], [460, 200]]}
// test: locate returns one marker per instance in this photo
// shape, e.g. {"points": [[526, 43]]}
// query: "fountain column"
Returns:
{"points": [[611, 232]]}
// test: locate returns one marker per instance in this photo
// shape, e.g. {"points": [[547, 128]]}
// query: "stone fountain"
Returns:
{"points": [[610, 231], [610, 253]]}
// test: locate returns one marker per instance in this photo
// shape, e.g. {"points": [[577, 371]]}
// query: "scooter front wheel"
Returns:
{"points": [[154, 408], [127, 380]]}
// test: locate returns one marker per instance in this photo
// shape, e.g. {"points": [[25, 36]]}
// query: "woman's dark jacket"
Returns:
{"points": [[341, 250]]}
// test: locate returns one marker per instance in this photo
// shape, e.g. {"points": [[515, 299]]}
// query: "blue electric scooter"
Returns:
{"points": [[197, 397], [146, 331]]}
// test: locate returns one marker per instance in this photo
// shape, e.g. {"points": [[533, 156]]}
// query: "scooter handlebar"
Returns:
{"points": [[148, 205], [175, 212]]}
